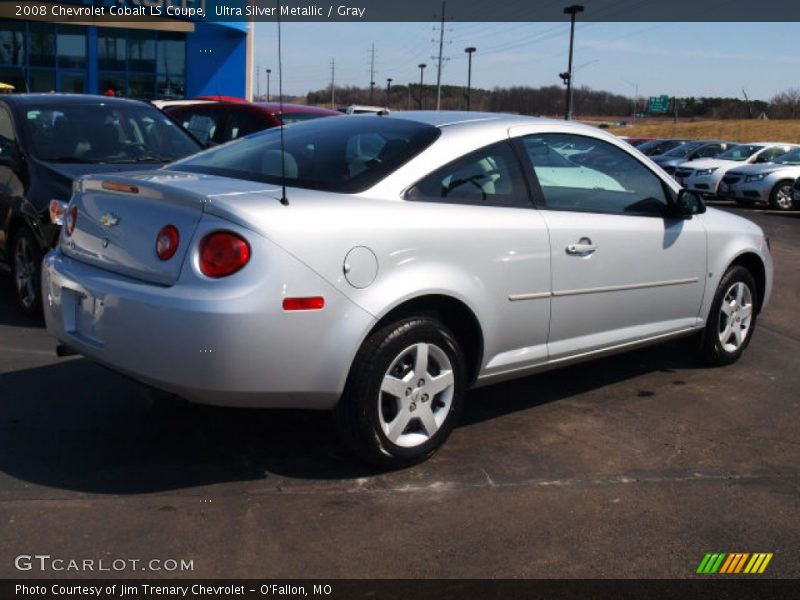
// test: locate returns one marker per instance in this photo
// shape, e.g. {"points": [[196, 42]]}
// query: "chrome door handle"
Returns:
{"points": [[584, 247]]}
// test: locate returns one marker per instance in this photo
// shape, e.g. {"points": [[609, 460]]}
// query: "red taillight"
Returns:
{"points": [[312, 303], [71, 220], [167, 242], [223, 253]]}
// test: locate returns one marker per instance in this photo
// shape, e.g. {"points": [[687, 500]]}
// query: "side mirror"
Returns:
{"points": [[686, 205]]}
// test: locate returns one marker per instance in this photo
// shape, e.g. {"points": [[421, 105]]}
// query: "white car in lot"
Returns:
{"points": [[705, 176], [770, 183]]}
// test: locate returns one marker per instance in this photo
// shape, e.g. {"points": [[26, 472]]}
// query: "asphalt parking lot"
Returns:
{"points": [[632, 466]]}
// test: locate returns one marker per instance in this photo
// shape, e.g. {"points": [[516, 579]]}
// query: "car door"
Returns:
{"points": [[622, 271], [11, 188], [488, 226]]}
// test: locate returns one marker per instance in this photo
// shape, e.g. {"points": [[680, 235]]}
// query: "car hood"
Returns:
{"points": [[668, 161], [766, 167], [710, 163]]}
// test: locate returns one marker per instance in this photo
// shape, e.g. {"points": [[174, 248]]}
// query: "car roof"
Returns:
{"points": [[68, 99]]}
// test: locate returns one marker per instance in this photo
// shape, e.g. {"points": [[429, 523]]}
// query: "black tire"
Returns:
{"points": [[26, 272], [776, 201], [359, 411], [713, 352]]}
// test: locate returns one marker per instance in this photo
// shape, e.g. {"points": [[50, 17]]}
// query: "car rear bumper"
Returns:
{"points": [[225, 343]]}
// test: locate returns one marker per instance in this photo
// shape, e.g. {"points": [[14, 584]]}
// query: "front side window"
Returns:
{"points": [[606, 180], [345, 154], [490, 176]]}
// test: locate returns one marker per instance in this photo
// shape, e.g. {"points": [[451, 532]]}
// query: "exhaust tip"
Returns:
{"points": [[63, 350]]}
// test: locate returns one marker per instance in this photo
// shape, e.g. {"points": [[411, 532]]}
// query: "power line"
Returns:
{"points": [[439, 61]]}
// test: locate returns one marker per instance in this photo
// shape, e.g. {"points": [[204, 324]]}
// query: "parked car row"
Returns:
{"points": [[749, 173]]}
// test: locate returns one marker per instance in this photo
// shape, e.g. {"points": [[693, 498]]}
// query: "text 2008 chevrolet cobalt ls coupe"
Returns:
{"points": [[414, 255]]}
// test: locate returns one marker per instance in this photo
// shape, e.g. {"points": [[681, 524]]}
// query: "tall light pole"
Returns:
{"points": [[567, 77], [388, 89], [269, 71], [635, 86], [469, 52], [421, 69]]}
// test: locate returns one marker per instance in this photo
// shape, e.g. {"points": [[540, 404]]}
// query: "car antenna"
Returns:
{"points": [[284, 199]]}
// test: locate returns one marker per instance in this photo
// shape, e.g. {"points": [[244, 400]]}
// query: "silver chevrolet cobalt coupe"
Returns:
{"points": [[411, 257]]}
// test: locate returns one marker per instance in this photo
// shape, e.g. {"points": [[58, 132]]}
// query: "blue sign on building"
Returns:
{"points": [[156, 57]]}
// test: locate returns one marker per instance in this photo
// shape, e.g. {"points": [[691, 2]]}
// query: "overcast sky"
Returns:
{"points": [[684, 59]]}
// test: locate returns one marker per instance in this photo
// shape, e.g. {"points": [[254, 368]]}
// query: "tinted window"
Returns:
{"points": [[242, 123], [709, 151], [97, 133], [740, 152], [773, 152], [202, 124], [489, 176], [71, 46], [346, 154], [605, 180]]}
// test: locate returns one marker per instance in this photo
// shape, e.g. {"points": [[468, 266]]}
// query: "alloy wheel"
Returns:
{"points": [[416, 395], [783, 197], [735, 316]]}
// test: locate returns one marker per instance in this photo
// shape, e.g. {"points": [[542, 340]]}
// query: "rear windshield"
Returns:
{"points": [[91, 133], [346, 154]]}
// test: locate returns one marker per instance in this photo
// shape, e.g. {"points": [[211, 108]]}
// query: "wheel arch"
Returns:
{"points": [[753, 263], [453, 313]]}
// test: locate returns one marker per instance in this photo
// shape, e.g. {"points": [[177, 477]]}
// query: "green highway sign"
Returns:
{"points": [[658, 104]]}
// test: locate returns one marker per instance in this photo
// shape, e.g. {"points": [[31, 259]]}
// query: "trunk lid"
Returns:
{"points": [[119, 218]]}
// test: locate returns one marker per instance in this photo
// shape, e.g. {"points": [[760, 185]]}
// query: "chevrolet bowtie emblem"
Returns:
{"points": [[109, 220]]}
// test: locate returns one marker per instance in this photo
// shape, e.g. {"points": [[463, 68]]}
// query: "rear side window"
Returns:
{"points": [[490, 176], [346, 154], [605, 179], [242, 123], [202, 124]]}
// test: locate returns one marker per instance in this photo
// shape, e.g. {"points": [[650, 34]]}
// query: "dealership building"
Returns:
{"points": [[150, 58]]}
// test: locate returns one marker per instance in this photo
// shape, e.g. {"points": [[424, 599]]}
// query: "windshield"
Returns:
{"points": [[790, 158], [684, 149], [657, 147], [739, 153], [296, 117], [346, 154], [105, 134]]}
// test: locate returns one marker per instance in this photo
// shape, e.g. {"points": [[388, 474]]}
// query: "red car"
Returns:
{"points": [[220, 122]]}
